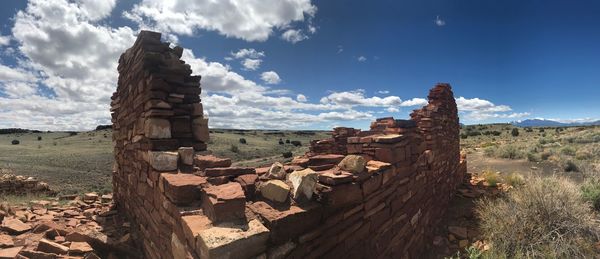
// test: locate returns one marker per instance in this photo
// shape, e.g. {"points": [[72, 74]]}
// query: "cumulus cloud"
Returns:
{"points": [[358, 98], [247, 53], [361, 59], [251, 64], [301, 98], [270, 77], [383, 92], [477, 109], [294, 36], [4, 40], [414, 102], [247, 20]]}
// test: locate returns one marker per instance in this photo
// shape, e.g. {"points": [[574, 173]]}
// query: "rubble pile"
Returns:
{"points": [[71, 227], [22, 185], [375, 193]]}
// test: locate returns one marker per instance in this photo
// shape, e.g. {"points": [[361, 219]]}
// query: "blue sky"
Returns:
{"points": [[302, 64]]}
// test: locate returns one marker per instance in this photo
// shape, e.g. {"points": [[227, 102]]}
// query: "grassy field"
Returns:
{"points": [[81, 162]]}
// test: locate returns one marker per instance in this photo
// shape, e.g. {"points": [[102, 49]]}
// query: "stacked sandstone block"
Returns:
{"points": [[360, 194]]}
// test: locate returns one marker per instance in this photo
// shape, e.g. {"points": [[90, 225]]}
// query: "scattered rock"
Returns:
{"points": [[353, 163], [277, 171], [275, 190], [303, 183], [48, 246], [6, 241], [10, 253], [15, 226], [80, 248]]}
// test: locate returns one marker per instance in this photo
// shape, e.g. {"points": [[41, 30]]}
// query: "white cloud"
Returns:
{"points": [[247, 53], [414, 102], [4, 40], [479, 109], [251, 64], [362, 59], [247, 20], [358, 98], [340, 49], [392, 109], [270, 77], [383, 92], [301, 98], [439, 22], [294, 36]]}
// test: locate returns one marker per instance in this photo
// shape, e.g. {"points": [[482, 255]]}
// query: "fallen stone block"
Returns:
{"points": [[194, 224], [224, 202], [276, 171], [10, 253], [275, 190], [15, 226], [6, 241], [332, 177], [230, 240], [51, 247], [287, 222], [248, 183], [353, 163], [325, 159], [182, 188], [80, 248], [303, 184]]}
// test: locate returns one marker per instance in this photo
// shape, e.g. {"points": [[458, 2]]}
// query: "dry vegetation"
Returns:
{"points": [[82, 162]]}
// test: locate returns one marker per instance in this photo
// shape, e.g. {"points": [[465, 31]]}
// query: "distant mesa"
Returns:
{"points": [[552, 123], [103, 127]]}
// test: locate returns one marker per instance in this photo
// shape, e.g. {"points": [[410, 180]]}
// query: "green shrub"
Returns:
{"points": [[545, 218], [570, 166], [234, 148], [514, 179], [545, 155], [569, 151], [490, 151], [590, 191], [583, 155], [532, 157], [515, 132], [492, 178], [509, 152]]}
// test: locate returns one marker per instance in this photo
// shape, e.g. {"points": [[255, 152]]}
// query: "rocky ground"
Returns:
{"points": [[66, 227]]}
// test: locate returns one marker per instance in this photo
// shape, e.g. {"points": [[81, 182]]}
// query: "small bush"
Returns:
{"points": [[510, 152], [514, 179], [570, 166], [492, 178], [15, 142], [464, 136], [287, 141], [233, 148], [545, 155], [296, 143], [546, 218], [583, 155], [281, 142], [515, 132], [590, 191], [569, 151], [532, 157], [490, 151], [287, 154], [242, 141], [39, 138]]}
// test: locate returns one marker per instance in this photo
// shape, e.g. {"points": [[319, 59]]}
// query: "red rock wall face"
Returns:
{"points": [[156, 109], [359, 194]]}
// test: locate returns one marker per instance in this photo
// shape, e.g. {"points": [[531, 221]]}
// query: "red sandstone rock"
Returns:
{"points": [[325, 159], [194, 224], [80, 248], [331, 177], [229, 240], [248, 183], [182, 188], [275, 190], [229, 171], [289, 222], [457, 231], [224, 202], [13, 225], [210, 161], [6, 241], [10, 253], [341, 195], [51, 247]]}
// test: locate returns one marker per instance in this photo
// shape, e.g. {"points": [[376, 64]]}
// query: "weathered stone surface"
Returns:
{"points": [[194, 224], [210, 161], [275, 190], [157, 128], [182, 188], [228, 171], [50, 247], [276, 171], [80, 248], [289, 222], [353, 163], [163, 160], [377, 166], [200, 129], [460, 232], [325, 159], [224, 202], [10, 253], [230, 240], [342, 195], [6, 241], [186, 155], [331, 177], [15, 226], [248, 183], [303, 184]]}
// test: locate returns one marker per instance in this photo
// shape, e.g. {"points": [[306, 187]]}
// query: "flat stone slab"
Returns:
{"points": [[228, 171], [182, 188], [287, 222], [325, 159], [10, 253], [210, 161], [15, 226], [392, 138], [230, 240], [6, 241], [332, 177]]}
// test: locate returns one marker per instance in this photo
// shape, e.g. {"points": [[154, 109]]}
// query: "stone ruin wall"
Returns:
{"points": [[11, 184], [359, 194]]}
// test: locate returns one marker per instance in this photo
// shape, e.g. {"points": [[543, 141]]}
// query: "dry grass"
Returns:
{"points": [[545, 218]]}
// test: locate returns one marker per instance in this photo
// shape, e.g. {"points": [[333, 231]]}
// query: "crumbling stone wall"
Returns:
{"points": [[22, 185], [360, 194]]}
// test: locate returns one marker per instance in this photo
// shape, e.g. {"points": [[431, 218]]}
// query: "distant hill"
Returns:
{"points": [[551, 123], [17, 130]]}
